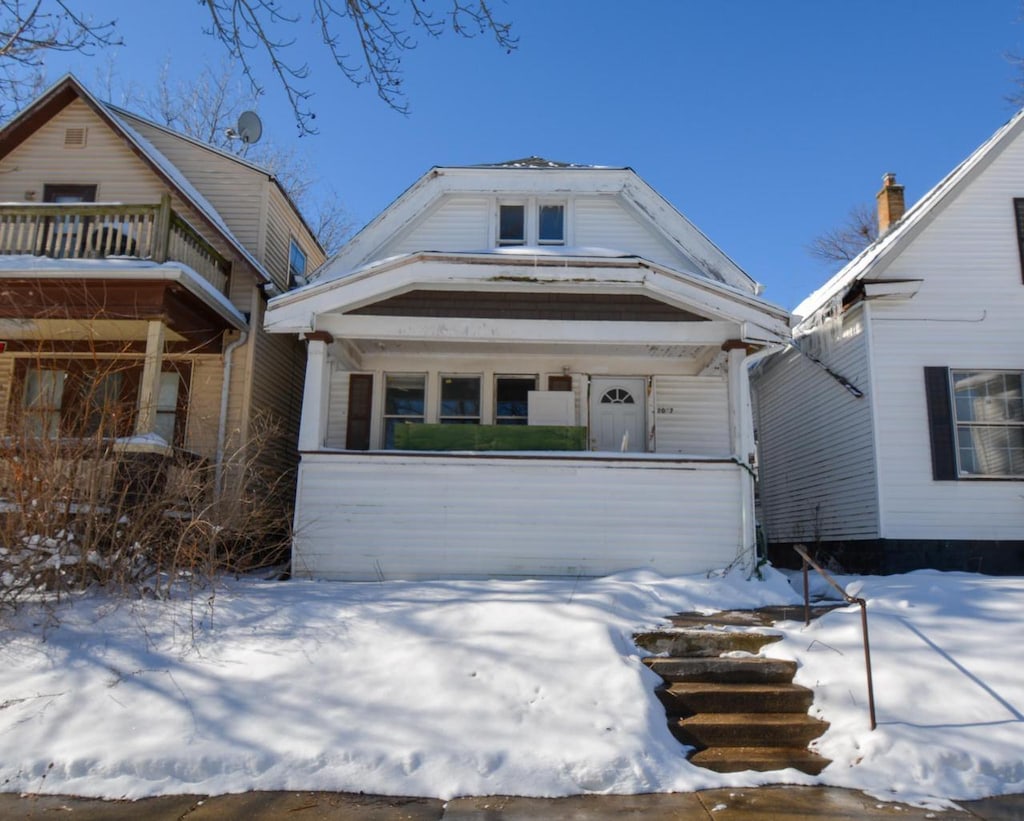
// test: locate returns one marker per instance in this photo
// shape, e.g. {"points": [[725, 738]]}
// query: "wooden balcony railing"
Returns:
{"points": [[97, 231]]}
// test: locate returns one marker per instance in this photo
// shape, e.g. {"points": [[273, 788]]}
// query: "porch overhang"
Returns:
{"points": [[102, 304]]}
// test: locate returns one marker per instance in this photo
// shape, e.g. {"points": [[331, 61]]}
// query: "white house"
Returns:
{"points": [[892, 434], [526, 369]]}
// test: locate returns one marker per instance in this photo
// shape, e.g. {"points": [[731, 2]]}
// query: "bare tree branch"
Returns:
{"points": [[29, 29], [379, 31], [840, 245]]}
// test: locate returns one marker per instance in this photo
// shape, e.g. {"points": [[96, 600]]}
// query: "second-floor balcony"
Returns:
{"points": [[153, 232]]}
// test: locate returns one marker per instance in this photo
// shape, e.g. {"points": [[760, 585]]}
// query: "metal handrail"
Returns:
{"points": [[808, 561]]}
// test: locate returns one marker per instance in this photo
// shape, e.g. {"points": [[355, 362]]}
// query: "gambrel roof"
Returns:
{"points": [[534, 176], [872, 262]]}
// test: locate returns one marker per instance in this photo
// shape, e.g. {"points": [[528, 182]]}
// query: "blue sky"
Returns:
{"points": [[762, 122]]}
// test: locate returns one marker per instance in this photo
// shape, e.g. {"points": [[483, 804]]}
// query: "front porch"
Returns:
{"points": [[388, 515]]}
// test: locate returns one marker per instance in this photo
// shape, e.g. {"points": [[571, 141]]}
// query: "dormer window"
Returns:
{"points": [[531, 223], [551, 225], [512, 225]]}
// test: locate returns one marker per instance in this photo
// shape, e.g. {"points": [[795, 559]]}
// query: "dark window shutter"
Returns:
{"points": [[559, 383], [940, 423], [360, 406], [1018, 212]]}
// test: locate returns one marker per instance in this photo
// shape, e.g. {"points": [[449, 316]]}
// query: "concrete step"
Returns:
{"points": [[730, 670], [762, 617], [764, 759], [748, 729], [702, 643], [685, 698]]}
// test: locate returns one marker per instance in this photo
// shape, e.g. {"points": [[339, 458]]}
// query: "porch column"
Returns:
{"points": [[315, 393], [149, 387], [741, 426]]}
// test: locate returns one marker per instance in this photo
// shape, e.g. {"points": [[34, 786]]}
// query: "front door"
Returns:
{"points": [[618, 414]]}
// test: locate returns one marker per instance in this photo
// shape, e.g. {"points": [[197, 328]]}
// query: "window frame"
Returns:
{"points": [[960, 426], [385, 416], [296, 278], [512, 242], [73, 405], [507, 419], [460, 419], [1018, 213], [531, 221]]}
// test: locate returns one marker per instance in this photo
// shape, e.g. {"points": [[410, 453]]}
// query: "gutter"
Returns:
{"points": [[218, 475]]}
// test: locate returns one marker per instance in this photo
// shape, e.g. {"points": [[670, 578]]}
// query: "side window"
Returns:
{"points": [[1018, 212], [43, 398], [296, 265], [551, 225]]}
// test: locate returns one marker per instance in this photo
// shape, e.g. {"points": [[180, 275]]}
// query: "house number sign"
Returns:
{"points": [[666, 410]]}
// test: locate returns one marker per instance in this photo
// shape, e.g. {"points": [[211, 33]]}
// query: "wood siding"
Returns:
{"points": [[967, 315], [367, 517], [6, 383], [455, 224], [816, 442], [282, 225], [691, 415], [337, 408]]}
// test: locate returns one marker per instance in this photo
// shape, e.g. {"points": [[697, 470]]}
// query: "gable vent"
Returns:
{"points": [[74, 137]]}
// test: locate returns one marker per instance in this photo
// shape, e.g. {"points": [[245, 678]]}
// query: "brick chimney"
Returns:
{"points": [[890, 203]]}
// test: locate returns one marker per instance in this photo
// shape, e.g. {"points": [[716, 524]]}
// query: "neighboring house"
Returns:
{"points": [[892, 434], [135, 265], [526, 369]]}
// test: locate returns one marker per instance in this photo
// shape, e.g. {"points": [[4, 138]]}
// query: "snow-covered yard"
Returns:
{"points": [[458, 688]]}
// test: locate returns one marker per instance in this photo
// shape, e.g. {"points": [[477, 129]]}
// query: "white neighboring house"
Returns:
{"points": [[492, 305], [924, 469]]}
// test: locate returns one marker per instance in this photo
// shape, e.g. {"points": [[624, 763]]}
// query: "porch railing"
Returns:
{"points": [[97, 231], [808, 562]]}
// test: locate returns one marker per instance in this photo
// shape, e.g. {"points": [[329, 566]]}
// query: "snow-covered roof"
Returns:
{"points": [[149, 153], [537, 176], [14, 265], [532, 162], [877, 256]]}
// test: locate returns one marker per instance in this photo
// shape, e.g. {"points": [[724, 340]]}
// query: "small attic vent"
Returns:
{"points": [[75, 137]]}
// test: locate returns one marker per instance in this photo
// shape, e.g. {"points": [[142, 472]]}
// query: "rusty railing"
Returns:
{"points": [[809, 562], [98, 231]]}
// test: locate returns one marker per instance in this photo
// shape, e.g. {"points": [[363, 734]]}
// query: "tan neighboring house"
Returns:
{"points": [[123, 241]]}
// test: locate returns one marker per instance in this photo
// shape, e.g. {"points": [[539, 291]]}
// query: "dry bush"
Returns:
{"points": [[79, 509]]}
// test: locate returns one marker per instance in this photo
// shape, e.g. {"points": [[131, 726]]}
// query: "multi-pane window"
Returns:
{"points": [[511, 399], [531, 223], [73, 398], [512, 225], [404, 397], [460, 400], [296, 265], [988, 411], [551, 225]]}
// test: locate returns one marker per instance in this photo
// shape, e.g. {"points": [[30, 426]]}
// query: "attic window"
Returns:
{"points": [[512, 225], [75, 137]]}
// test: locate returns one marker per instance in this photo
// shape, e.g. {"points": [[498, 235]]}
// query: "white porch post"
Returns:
{"points": [[313, 427], [149, 387], [741, 425]]}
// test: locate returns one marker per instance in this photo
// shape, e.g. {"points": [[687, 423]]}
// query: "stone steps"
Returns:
{"points": [[738, 711]]}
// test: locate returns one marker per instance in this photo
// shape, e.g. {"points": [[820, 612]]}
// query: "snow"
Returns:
{"points": [[502, 687]]}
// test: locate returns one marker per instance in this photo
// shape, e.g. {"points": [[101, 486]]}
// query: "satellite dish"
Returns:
{"points": [[249, 129]]}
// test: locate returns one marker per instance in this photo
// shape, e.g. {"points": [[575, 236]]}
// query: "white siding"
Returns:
{"points": [[456, 224], [337, 408], [967, 314], [363, 517], [604, 222], [691, 415], [816, 443]]}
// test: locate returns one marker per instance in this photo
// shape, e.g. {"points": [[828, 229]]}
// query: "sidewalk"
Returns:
{"points": [[760, 804]]}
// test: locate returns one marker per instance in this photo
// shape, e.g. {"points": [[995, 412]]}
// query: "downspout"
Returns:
{"points": [[222, 426]]}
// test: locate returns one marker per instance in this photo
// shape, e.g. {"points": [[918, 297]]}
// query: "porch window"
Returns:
{"points": [[988, 409], [511, 394], [460, 400], [403, 402], [512, 225], [77, 399]]}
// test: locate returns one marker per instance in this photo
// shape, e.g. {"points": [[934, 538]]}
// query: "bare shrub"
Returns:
{"points": [[82, 504]]}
